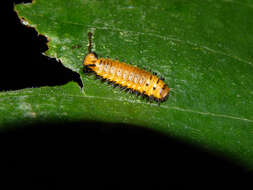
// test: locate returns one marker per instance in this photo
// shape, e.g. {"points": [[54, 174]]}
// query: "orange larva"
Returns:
{"points": [[126, 76]]}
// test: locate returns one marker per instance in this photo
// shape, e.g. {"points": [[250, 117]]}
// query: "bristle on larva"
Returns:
{"points": [[127, 76]]}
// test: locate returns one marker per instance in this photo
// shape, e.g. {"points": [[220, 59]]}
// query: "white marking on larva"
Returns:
{"points": [[147, 83], [141, 80], [112, 70], [136, 78], [119, 72], [161, 91], [100, 66], [131, 76], [125, 75], [106, 68], [158, 88]]}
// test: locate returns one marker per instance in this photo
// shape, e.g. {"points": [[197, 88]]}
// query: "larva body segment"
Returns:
{"points": [[128, 76]]}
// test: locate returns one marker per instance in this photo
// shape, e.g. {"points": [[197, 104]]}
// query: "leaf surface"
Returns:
{"points": [[204, 49]]}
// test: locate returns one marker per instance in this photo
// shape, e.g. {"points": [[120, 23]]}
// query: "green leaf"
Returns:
{"points": [[204, 49]]}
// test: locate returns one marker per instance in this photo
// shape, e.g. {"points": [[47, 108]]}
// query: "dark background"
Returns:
{"points": [[43, 155], [25, 66]]}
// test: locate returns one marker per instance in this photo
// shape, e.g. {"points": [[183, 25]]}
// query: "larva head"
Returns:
{"points": [[90, 59], [164, 92]]}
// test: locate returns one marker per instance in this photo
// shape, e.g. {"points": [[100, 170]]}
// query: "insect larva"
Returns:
{"points": [[126, 76]]}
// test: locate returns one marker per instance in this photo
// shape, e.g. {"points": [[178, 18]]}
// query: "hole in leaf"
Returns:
{"points": [[23, 64]]}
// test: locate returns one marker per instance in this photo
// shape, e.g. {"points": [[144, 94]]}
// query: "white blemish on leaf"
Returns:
{"points": [[27, 110], [24, 22]]}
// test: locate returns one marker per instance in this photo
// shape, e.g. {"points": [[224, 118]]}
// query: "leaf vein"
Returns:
{"points": [[167, 38], [140, 102]]}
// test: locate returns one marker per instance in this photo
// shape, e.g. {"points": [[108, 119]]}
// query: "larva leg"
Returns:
{"points": [[126, 76]]}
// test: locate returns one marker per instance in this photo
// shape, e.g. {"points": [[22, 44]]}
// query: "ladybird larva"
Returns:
{"points": [[126, 76]]}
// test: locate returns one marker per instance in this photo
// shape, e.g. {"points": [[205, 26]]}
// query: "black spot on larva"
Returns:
{"points": [[151, 98], [103, 80], [127, 90], [98, 77], [143, 94], [115, 85], [86, 69], [113, 70], [109, 82], [122, 87], [161, 78], [137, 93]]}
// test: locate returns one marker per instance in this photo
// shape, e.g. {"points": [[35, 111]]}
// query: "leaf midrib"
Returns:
{"points": [[140, 102]]}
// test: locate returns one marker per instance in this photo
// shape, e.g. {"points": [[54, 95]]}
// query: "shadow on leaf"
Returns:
{"points": [[102, 153]]}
